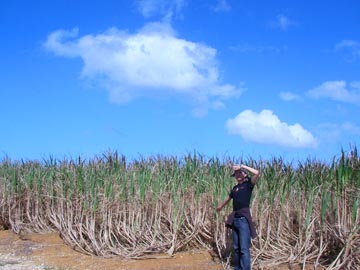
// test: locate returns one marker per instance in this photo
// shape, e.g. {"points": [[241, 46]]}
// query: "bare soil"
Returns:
{"points": [[48, 252]]}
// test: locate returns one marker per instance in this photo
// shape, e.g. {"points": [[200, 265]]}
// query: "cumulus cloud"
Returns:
{"points": [[152, 61], [350, 48], [266, 128], [338, 91], [289, 96]]}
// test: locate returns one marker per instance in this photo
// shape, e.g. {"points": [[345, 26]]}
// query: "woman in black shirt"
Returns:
{"points": [[240, 220]]}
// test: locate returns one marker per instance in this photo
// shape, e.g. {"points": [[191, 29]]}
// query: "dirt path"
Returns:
{"points": [[48, 252]]}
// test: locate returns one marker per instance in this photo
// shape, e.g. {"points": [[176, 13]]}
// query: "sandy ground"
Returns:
{"points": [[48, 252]]}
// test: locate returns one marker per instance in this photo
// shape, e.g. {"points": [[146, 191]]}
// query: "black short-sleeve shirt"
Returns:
{"points": [[241, 195]]}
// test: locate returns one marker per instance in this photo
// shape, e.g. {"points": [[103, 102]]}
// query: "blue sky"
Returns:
{"points": [[240, 78]]}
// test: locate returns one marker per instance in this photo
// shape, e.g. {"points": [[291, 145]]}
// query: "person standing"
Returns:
{"points": [[240, 220]]}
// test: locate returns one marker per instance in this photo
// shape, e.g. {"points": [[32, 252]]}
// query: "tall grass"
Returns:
{"points": [[108, 206]]}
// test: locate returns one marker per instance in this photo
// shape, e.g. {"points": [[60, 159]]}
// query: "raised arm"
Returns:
{"points": [[255, 172]]}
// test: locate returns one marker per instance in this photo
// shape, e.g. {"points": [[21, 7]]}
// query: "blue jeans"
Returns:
{"points": [[241, 243]]}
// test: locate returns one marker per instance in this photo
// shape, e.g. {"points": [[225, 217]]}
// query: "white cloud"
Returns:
{"points": [[150, 62], [328, 132], [333, 132], [222, 6], [355, 85], [282, 22], [350, 48], [338, 91], [150, 8], [351, 127], [266, 128], [249, 48], [289, 96], [53, 44]]}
